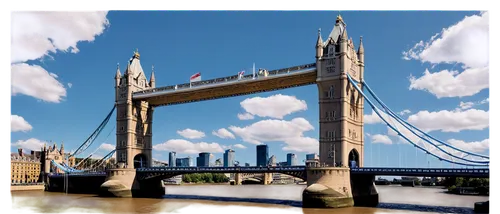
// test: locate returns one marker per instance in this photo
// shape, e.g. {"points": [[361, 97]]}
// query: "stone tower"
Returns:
{"points": [[340, 105], [133, 118]]}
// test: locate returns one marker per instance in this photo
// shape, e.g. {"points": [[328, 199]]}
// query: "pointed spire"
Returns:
{"points": [[344, 34], [319, 43], [361, 49], [152, 79], [136, 53], [118, 74]]}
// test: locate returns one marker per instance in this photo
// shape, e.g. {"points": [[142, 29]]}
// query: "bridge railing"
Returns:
{"points": [[233, 78], [221, 169]]}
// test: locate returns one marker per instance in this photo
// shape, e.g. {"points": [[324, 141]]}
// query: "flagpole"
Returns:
{"points": [[253, 71]]}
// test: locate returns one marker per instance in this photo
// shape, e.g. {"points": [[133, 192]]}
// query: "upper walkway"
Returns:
{"points": [[229, 86]]}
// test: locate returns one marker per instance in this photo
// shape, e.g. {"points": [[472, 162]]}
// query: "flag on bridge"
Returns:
{"points": [[195, 77], [240, 74]]}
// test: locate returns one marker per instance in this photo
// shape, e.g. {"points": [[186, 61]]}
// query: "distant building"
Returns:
{"points": [[172, 158], [291, 159], [313, 156], [183, 162], [262, 155], [211, 160], [229, 158], [284, 163], [203, 159], [219, 162], [247, 164], [272, 161], [25, 168]]}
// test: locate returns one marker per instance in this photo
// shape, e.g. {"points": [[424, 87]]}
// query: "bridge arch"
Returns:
{"points": [[353, 156], [140, 161]]}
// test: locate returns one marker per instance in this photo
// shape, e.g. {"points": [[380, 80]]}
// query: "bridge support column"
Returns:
{"points": [[124, 183], [238, 179], [328, 187], [364, 192], [268, 178]]}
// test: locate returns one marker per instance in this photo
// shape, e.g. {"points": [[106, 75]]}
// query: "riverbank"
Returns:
{"points": [[40, 187]]}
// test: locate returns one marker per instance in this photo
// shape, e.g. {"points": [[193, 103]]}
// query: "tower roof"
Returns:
{"points": [[361, 49], [118, 74], [319, 43], [337, 30], [152, 74], [135, 68]]}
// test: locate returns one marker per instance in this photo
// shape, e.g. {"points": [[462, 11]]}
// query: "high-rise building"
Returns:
{"points": [[272, 161], [219, 162], [284, 163], [183, 162], [291, 159], [247, 164], [262, 155], [312, 156], [203, 159], [229, 158], [171, 159]]}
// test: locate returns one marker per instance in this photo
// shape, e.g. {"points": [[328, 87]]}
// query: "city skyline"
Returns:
{"points": [[191, 128]]}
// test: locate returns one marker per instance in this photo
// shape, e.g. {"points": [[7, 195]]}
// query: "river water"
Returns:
{"points": [[254, 199]]}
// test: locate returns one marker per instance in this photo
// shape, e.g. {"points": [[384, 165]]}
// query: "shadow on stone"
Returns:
{"points": [[318, 195]]}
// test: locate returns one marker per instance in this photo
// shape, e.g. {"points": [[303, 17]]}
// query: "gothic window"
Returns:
{"points": [[330, 92]]}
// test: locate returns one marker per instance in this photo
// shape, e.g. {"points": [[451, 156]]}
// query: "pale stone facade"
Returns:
{"points": [[25, 168], [340, 105], [133, 118]]}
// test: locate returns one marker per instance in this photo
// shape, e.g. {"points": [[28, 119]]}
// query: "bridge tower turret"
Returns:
{"points": [[133, 118]]}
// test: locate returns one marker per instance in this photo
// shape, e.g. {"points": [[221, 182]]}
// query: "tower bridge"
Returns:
{"points": [[339, 74]]}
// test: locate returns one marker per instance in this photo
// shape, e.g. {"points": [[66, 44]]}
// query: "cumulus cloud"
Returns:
{"points": [[378, 138], [465, 43], [476, 146], [37, 34], [406, 111], [182, 146], [450, 121], [32, 144], [468, 105], [223, 133], [191, 134], [276, 106], [239, 146], [33, 80], [245, 116], [289, 132], [107, 147], [18, 124], [70, 85]]}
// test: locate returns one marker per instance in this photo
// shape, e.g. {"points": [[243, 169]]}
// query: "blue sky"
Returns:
{"points": [[69, 105]]}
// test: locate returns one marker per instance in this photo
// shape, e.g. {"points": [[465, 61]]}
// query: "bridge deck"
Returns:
{"points": [[229, 86], [381, 171]]}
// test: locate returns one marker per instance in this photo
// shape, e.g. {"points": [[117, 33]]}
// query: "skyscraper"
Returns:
{"points": [[229, 158], [262, 155], [272, 161], [203, 159], [291, 159], [183, 162], [312, 156], [171, 159]]}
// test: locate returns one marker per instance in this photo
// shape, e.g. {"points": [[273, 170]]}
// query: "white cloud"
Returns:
{"points": [[476, 146], [223, 133], [32, 144], [239, 146], [372, 118], [276, 106], [452, 83], [487, 100], [35, 34], [107, 147], [289, 132], [406, 111], [188, 147], [33, 80], [191, 134], [70, 85], [18, 123], [450, 121], [245, 116], [378, 138], [465, 43], [466, 105]]}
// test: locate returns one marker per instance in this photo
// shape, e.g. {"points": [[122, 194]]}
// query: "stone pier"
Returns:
{"points": [[328, 187], [124, 183]]}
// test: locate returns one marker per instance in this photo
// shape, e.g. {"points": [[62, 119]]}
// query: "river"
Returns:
{"points": [[254, 199]]}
